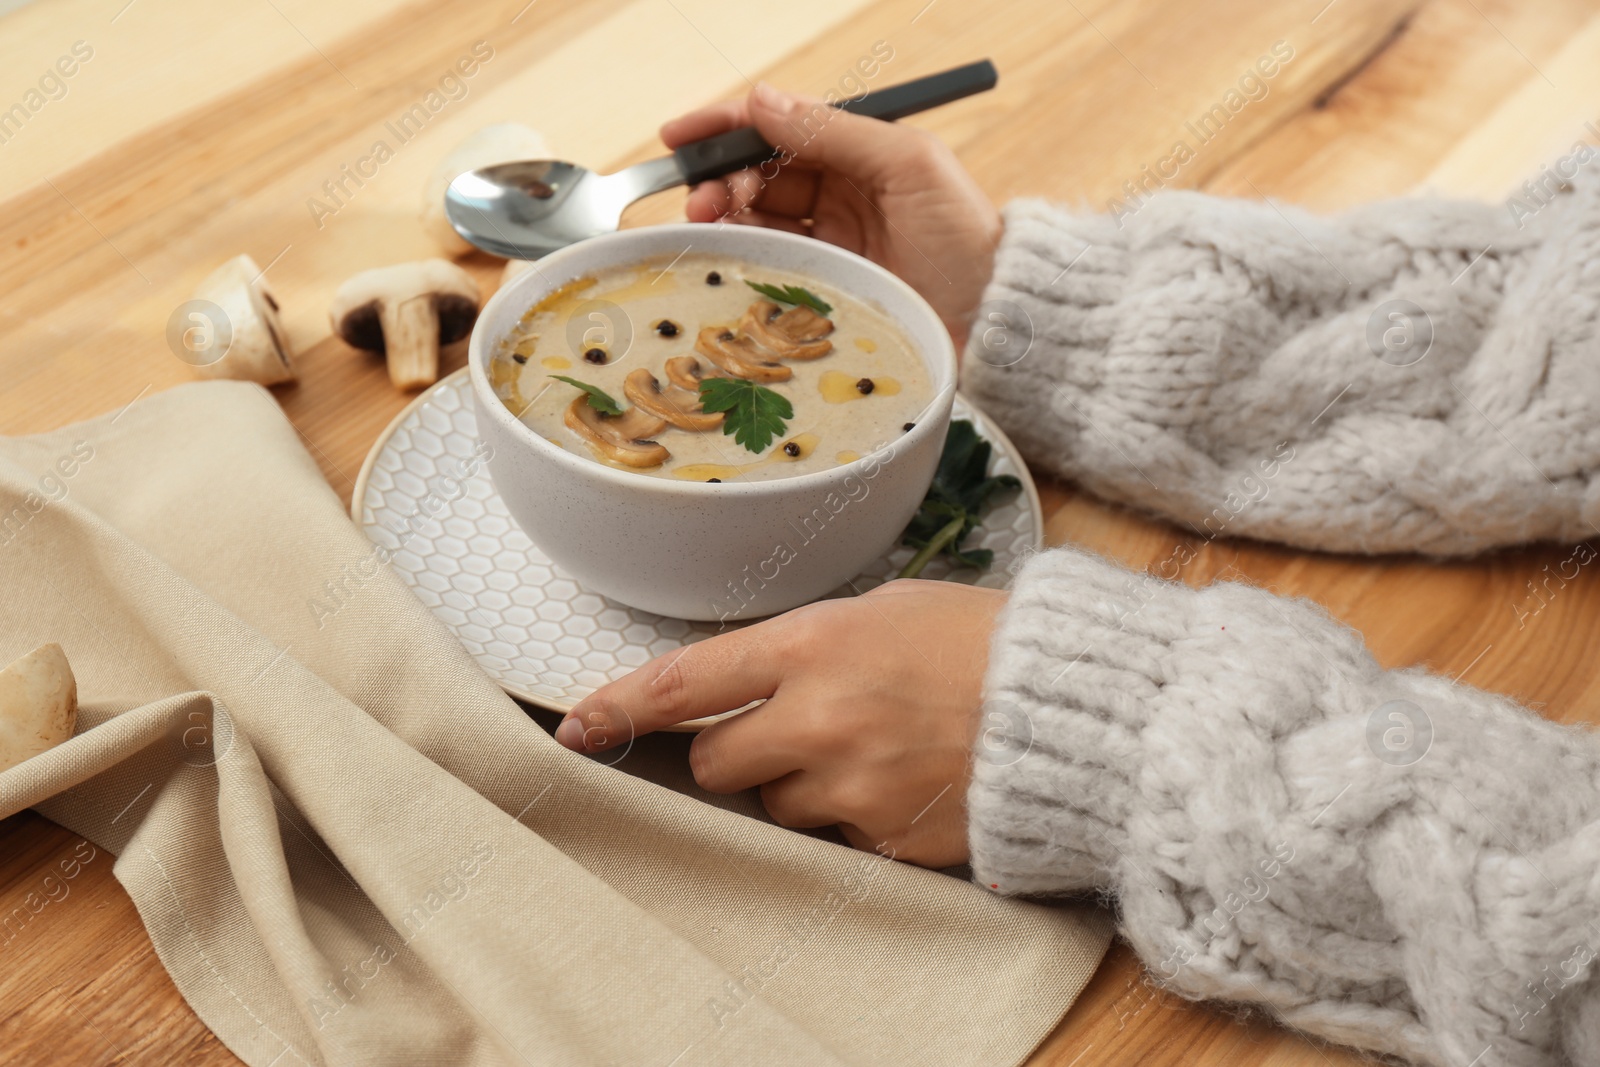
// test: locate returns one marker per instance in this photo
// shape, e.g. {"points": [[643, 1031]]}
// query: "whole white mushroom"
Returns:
{"points": [[38, 704], [258, 349], [503, 142]]}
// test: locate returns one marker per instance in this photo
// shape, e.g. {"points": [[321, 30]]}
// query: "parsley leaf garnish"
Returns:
{"points": [[961, 489], [755, 414], [792, 294], [599, 399]]}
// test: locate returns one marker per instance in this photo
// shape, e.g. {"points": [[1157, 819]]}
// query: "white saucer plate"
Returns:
{"points": [[424, 493]]}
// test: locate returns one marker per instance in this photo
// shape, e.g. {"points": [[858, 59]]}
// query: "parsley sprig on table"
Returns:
{"points": [[599, 399], [755, 414], [961, 489], [792, 294]]}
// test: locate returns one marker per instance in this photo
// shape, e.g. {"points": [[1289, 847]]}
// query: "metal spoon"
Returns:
{"points": [[528, 209]]}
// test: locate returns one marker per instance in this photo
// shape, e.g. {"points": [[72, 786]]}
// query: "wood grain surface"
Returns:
{"points": [[198, 131]]}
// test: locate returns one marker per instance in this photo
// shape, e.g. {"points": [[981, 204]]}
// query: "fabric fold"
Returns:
{"points": [[350, 847]]}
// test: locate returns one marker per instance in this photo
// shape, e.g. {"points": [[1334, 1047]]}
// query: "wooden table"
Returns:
{"points": [[196, 131]]}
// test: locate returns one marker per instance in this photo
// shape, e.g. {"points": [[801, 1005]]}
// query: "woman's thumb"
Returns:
{"points": [[813, 132]]}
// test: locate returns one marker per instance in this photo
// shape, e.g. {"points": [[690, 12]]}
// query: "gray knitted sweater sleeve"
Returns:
{"points": [[1418, 375], [1383, 858]]}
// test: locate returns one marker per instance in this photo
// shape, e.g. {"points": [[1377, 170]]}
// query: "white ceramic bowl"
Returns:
{"points": [[700, 550]]}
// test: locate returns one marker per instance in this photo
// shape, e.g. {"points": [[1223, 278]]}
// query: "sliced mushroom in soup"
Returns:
{"points": [[747, 369]]}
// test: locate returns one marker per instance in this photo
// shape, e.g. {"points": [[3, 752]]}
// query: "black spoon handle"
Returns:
{"points": [[744, 147]]}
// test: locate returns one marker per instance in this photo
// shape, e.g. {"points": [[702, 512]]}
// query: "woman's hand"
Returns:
{"points": [[871, 712], [894, 194]]}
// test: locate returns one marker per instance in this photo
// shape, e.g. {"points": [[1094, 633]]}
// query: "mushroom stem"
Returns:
{"points": [[411, 341]]}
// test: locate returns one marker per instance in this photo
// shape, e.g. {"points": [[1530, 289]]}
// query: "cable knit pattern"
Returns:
{"points": [[1382, 858], [1210, 360]]}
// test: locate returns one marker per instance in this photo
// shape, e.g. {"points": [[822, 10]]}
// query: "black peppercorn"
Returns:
{"points": [[909, 426], [595, 355], [717, 480], [725, 335], [519, 357], [713, 278], [791, 449], [864, 386], [667, 328]]}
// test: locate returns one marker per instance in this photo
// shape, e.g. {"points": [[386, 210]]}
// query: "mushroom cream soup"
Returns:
{"points": [[710, 369]]}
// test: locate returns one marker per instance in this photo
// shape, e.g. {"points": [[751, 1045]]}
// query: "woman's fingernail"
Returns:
{"points": [[769, 97], [570, 733]]}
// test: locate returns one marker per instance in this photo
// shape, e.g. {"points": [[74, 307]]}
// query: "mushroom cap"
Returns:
{"points": [[687, 372], [801, 324], [739, 356], [678, 406], [38, 704], [258, 350], [504, 142], [355, 311], [623, 438], [798, 333]]}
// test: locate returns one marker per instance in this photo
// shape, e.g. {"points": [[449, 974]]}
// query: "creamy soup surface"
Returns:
{"points": [[851, 376]]}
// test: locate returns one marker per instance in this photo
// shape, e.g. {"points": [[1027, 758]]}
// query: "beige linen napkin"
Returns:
{"points": [[350, 847]]}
